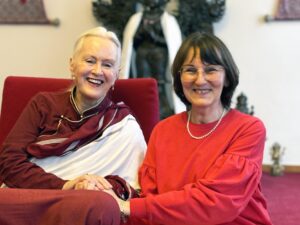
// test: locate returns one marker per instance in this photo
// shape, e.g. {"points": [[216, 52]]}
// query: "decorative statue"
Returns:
{"points": [[199, 15], [242, 105], [114, 14], [150, 41], [151, 37], [276, 154]]}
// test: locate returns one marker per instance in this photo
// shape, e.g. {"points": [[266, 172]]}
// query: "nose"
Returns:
{"points": [[200, 78], [97, 69]]}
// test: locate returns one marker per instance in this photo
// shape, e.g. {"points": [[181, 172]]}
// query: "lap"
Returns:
{"points": [[47, 207]]}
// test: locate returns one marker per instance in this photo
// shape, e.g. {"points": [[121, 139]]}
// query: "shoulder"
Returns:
{"points": [[242, 124], [242, 119], [172, 122], [128, 122], [52, 95], [51, 98]]}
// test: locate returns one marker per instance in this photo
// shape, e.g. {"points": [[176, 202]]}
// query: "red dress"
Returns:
{"points": [[215, 180]]}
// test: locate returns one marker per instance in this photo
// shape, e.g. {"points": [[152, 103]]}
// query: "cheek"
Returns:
{"points": [[112, 77], [186, 88], [185, 84], [224, 80]]}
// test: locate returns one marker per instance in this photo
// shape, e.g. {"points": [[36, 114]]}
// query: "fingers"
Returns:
{"points": [[100, 182], [69, 185], [87, 182], [85, 185]]}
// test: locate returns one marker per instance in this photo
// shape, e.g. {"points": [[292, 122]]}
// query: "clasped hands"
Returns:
{"points": [[88, 182], [98, 183]]}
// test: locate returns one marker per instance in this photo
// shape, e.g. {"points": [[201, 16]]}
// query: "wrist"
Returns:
{"points": [[124, 210]]}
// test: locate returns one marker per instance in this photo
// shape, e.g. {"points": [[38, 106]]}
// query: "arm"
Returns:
{"points": [[16, 170], [217, 197]]}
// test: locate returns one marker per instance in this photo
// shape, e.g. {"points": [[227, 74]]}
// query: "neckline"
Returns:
{"points": [[209, 132]]}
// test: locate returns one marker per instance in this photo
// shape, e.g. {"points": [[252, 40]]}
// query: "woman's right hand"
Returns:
{"points": [[87, 182]]}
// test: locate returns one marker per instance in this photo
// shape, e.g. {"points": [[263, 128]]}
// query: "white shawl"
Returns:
{"points": [[119, 151]]}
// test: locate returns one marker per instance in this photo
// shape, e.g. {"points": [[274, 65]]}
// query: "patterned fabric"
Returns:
{"points": [[23, 12], [288, 9]]}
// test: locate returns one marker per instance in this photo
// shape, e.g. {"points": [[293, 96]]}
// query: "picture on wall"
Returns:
{"points": [[288, 9], [24, 12]]}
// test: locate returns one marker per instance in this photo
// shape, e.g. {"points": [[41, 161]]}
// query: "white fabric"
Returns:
{"points": [[119, 151], [172, 33]]}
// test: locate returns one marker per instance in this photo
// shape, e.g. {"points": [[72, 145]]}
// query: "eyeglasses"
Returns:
{"points": [[207, 70]]}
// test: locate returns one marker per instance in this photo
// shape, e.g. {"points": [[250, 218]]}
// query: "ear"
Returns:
{"points": [[116, 78], [117, 75]]}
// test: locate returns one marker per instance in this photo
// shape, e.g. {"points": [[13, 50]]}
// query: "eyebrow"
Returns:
{"points": [[94, 57]]}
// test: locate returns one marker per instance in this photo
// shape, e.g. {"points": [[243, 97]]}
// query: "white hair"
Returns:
{"points": [[99, 32]]}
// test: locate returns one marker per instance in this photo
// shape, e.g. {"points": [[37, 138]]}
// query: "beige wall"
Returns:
{"points": [[42, 50], [267, 54]]}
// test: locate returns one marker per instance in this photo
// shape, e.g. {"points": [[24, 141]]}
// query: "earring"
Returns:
{"points": [[113, 87]]}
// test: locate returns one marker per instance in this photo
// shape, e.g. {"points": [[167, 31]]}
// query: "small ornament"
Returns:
{"points": [[242, 105], [276, 154]]}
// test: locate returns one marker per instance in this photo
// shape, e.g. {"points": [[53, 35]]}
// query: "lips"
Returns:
{"points": [[95, 81], [202, 91]]}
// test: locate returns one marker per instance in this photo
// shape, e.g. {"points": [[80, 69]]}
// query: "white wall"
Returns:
{"points": [[268, 57], [43, 50], [266, 53]]}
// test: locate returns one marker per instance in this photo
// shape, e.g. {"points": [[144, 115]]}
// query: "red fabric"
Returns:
{"points": [[122, 188], [49, 207], [41, 121], [215, 180], [46, 106], [139, 94]]}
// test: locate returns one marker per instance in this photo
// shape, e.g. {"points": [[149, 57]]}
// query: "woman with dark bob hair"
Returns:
{"points": [[203, 165], [213, 51]]}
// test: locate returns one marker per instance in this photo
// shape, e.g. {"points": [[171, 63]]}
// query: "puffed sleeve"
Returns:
{"points": [[147, 171]]}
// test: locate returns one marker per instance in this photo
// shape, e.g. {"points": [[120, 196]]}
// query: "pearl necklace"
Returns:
{"points": [[205, 135]]}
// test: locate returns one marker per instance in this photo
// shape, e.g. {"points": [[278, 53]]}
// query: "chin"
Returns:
{"points": [[201, 103]]}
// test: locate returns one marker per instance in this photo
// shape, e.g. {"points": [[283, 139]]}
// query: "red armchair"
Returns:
{"points": [[139, 94]]}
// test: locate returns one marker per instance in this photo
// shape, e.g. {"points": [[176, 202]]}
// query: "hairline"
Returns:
{"points": [[99, 32]]}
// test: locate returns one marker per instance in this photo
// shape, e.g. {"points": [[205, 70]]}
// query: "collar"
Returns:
{"points": [[103, 105]]}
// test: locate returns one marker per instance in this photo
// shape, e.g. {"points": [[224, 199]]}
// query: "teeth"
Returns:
{"points": [[95, 81], [202, 91]]}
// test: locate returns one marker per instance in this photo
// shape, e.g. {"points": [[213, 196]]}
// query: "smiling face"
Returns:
{"points": [[202, 83], [94, 69]]}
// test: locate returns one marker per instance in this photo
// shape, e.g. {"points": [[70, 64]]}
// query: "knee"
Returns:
{"points": [[85, 207], [101, 208]]}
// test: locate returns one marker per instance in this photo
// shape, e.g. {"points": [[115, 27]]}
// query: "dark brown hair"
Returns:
{"points": [[212, 51]]}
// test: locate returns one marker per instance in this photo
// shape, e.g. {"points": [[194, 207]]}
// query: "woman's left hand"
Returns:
{"points": [[88, 182]]}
